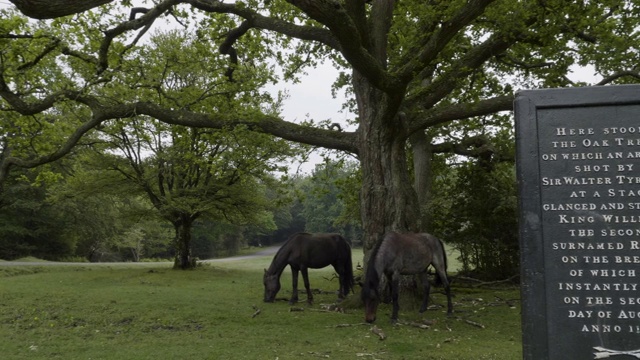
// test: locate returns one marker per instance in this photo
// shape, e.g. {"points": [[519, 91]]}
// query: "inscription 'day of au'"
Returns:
{"points": [[600, 186]]}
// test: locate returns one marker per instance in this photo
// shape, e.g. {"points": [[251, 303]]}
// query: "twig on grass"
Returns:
{"points": [[376, 330], [257, 311], [415, 324], [474, 323], [487, 283], [327, 311], [348, 325]]}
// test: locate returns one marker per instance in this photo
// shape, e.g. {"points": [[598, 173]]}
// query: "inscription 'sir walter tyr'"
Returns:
{"points": [[579, 182]]}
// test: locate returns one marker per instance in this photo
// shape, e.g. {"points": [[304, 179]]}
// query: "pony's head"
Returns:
{"points": [[370, 295], [271, 286], [371, 299]]}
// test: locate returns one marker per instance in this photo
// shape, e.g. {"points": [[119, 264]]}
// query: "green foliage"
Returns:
{"points": [[475, 210], [327, 199]]}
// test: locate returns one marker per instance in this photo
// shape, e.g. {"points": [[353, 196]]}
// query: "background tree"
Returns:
{"points": [[29, 226], [189, 173], [323, 195]]}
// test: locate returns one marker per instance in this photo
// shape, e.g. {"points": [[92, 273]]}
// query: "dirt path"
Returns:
{"points": [[264, 252]]}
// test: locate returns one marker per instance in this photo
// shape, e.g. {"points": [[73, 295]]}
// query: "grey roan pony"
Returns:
{"points": [[403, 254], [303, 251]]}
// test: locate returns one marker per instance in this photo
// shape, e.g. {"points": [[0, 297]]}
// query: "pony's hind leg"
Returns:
{"points": [[395, 289], [442, 274], [305, 278], [447, 289], [427, 287]]}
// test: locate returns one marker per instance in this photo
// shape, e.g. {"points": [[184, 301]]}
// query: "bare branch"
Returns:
{"points": [[227, 46], [424, 119], [144, 21], [311, 33]]}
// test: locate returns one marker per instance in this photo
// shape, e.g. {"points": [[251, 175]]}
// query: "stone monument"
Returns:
{"points": [[578, 169]]}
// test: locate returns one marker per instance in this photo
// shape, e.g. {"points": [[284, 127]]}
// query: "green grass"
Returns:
{"points": [[153, 312]]}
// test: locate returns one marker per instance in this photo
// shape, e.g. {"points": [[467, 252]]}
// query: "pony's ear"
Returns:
{"points": [[265, 270]]}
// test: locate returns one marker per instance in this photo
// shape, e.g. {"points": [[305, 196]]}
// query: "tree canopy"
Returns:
{"points": [[431, 74]]}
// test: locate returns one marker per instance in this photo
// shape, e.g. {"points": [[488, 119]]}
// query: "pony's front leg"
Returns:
{"points": [[427, 287], [395, 288], [294, 279], [305, 278]]}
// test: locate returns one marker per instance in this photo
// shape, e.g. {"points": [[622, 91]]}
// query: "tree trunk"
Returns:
{"points": [[388, 202], [183, 258], [423, 176]]}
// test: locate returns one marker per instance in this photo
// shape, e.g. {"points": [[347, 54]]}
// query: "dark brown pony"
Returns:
{"points": [[304, 251], [403, 254]]}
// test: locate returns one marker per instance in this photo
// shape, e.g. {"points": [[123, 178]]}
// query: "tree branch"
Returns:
{"points": [[620, 74], [414, 63], [431, 94], [9, 161], [478, 147], [227, 46], [423, 119], [332, 14], [338, 140], [51, 9], [144, 21], [302, 32]]}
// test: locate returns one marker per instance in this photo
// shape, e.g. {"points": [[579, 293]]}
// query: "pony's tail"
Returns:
{"points": [[439, 280], [345, 250]]}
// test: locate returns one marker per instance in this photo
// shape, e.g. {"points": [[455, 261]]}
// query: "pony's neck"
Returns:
{"points": [[279, 262]]}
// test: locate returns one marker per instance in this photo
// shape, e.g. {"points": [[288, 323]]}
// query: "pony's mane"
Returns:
{"points": [[285, 247]]}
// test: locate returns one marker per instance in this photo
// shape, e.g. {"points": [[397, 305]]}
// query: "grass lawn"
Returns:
{"points": [[216, 312]]}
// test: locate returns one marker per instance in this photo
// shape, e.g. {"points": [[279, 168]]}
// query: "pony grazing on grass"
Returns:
{"points": [[304, 251], [403, 254]]}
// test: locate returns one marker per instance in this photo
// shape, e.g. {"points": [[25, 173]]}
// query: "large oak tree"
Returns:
{"points": [[413, 67]]}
